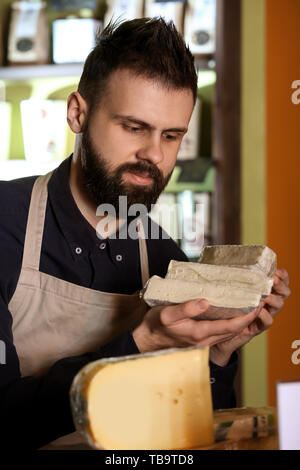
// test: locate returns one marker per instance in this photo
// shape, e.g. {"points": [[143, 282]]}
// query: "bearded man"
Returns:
{"points": [[69, 292]]}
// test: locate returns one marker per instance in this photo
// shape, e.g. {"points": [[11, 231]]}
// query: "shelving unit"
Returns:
{"points": [[29, 72], [224, 179]]}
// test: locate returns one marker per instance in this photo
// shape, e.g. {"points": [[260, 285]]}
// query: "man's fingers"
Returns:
{"points": [[180, 312], [207, 328], [212, 340], [283, 275], [281, 287], [265, 320], [275, 301]]}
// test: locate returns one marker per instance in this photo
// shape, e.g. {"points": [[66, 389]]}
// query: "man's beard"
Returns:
{"points": [[105, 186]]}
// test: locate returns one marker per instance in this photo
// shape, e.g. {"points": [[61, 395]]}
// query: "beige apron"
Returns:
{"points": [[53, 318]]}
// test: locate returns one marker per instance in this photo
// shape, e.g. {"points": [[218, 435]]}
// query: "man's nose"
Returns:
{"points": [[151, 150]]}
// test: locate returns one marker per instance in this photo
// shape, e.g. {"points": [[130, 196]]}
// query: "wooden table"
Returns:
{"points": [[75, 441]]}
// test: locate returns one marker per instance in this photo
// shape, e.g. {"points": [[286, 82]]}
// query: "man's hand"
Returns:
{"points": [[268, 308], [174, 326]]}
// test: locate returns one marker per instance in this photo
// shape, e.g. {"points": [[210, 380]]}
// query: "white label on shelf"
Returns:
{"points": [[27, 23], [73, 39], [288, 406], [123, 10]]}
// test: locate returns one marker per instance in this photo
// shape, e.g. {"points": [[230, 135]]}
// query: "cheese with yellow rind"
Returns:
{"points": [[158, 400]]}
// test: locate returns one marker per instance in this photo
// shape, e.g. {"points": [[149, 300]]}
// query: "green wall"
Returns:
{"points": [[254, 354]]}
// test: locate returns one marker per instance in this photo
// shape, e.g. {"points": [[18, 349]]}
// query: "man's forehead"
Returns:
{"points": [[128, 84], [148, 100]]}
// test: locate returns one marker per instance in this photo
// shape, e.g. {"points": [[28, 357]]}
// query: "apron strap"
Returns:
{"points": [[35, 223], [143, 253], [35, 229]]}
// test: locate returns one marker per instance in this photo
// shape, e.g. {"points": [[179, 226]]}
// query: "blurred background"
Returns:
{"points": [[239, 163]]}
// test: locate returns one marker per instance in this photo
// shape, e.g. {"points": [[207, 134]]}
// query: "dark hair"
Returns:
{"points": [[149, 47]]}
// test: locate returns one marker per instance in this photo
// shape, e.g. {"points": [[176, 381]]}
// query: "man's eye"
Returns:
{"points": [[131, 128], [171, 136]]}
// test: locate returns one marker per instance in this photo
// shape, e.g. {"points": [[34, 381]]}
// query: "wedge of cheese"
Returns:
{"points": [[232, 276], [225, 301], [158, 400], [254, 257]]}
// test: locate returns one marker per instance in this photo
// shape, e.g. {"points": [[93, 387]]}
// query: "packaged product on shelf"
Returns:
{"points": [[189, 148], [28, 40], [64, 5], [123, 10], [191, 225], [202, 209], [5, 125], [74, 38], [165, 214], [167, 10], [44, 129], [199, 26]]}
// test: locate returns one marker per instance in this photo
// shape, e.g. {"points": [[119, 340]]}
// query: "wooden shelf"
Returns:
{"points": [[21, 168], [28, 72]]}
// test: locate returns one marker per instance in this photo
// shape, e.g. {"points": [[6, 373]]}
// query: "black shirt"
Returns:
{"points": [[36, 410]]}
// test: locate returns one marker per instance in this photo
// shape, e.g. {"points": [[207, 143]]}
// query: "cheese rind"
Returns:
{"points": [[225, 301], [255, 257], [156, 400], [232, 276]]}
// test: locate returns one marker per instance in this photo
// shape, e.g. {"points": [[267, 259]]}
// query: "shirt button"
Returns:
{"points": [[119, 257], [102, 246], [78, 250]]}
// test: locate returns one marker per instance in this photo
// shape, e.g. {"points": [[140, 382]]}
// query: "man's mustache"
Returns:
{"points": [[142, 170]]}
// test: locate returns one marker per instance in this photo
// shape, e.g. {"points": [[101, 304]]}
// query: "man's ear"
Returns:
{"points": [[77, 112]]}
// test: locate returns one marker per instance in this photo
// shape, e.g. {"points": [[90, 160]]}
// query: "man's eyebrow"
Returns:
{"points": [[121, 117]]}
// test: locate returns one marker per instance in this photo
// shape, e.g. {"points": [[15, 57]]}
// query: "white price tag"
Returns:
{"points": [[288, 406], [27, 22]]}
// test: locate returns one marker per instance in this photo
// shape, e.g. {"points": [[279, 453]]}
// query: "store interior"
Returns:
{"points": [[240, 161]]}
